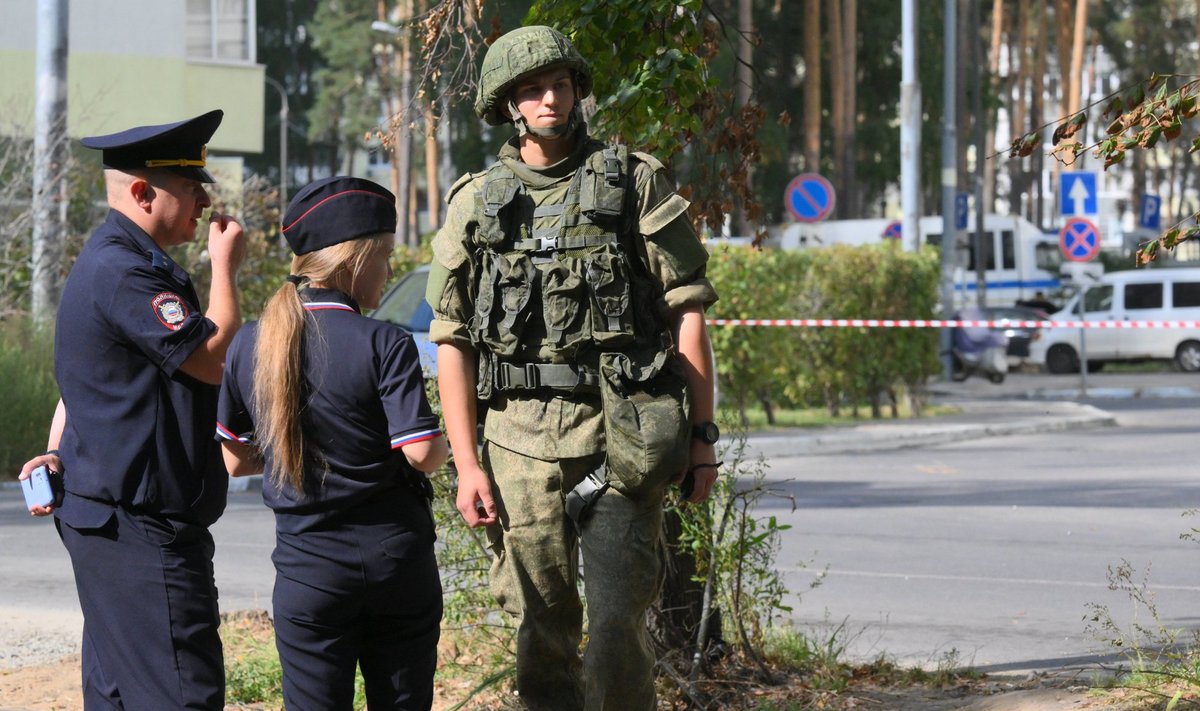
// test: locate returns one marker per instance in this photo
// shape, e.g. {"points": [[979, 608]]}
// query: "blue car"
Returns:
{"points": [[404, 305]]}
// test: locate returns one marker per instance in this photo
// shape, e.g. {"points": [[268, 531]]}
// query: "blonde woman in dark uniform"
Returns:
{"points": [[331, 406]]}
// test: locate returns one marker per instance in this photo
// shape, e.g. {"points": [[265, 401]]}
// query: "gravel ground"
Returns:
{"points": [[27, 639]]}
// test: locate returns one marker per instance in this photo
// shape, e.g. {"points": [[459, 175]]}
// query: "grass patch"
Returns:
{"points": [[813, 417], [30, 393], [252, 672]]}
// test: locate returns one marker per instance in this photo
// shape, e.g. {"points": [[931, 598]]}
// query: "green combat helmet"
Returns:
{"points": [[518, 54]]}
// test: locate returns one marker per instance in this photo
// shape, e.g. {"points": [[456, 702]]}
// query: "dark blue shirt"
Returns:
{"points": [[364, 401], [139, 430]]}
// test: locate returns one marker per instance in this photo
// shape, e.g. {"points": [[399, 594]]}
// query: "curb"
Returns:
{"points": [[1018, 417]]}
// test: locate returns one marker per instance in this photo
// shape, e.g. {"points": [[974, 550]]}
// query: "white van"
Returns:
{"points": [[1164, 294]]}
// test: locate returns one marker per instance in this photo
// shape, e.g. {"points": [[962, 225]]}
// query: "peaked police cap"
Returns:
{"points": [[338, 209], [178, 147]]}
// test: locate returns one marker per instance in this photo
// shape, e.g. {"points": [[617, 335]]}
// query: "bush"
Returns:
{"points": [[833, 367], [30, 392]]}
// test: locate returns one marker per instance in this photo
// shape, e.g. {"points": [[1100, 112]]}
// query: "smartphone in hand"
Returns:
{"points": [[38, 489]]}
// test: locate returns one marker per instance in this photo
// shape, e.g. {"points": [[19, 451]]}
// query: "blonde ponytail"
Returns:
{"points": [[279, 387]]}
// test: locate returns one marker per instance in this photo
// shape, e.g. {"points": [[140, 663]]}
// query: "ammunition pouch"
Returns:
{"points": [[647, 428]]}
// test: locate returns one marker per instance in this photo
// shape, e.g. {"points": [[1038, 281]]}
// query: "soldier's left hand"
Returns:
{"points": [[703, 468]]}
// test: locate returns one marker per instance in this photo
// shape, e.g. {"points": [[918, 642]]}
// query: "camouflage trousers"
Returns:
{"points": [[534, 578]]}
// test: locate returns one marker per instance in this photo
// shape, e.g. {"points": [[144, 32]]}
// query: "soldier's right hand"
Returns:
{"points": [[474, 500], [226, 242]]}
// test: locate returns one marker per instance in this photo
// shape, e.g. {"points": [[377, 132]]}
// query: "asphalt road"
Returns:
{"points": [[990, 549], [989, 552]]}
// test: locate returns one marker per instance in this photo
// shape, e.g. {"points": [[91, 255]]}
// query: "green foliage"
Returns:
{"points": [[821, 657], [656, 92], [1164, 660], [755, 364], [834, 367], [284, 46], [348, 90], [252, 671], [30, 393], [482, 640], [734, 549], [85, 207], [644, 90]]}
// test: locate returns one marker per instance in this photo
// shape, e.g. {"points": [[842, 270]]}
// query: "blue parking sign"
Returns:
{"points": [[1150, 212], [961, 210]]}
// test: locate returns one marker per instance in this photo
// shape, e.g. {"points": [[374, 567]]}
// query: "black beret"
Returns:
{"points": [[178, 147], [338, 209]]}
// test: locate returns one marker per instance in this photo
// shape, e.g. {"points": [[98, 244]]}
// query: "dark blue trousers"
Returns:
{"points": [[364, 591], [150, 614]]}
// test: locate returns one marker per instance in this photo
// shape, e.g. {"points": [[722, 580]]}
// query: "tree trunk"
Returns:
{"points": [[1062, 40], [1074, 99], [675, 619], [1037, 110], [743, 89], [850, 89], [812, 85], [837, 95], [1018, 175], [433, 190], [432, 187], [989, 140]]}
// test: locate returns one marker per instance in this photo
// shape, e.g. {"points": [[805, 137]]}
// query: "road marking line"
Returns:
{"points": [[830, 572]]}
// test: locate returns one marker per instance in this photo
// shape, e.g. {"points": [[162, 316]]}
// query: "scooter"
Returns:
{"points": [[978, 350]]}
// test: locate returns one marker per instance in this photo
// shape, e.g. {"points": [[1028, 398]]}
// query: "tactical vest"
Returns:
{"points": [[556, 285]]}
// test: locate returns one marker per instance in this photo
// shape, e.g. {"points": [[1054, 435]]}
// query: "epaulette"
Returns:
{"points": [[654, 163], [458, 184]]}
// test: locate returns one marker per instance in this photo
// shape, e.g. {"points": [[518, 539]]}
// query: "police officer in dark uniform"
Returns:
{"points": [[331, 406], [137, 362]]}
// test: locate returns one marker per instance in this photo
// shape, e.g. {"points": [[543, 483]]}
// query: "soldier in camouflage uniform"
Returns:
{"points": [[569, 292]]}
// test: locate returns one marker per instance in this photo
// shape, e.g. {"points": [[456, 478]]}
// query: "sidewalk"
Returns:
{"points": [[1025, 403]]}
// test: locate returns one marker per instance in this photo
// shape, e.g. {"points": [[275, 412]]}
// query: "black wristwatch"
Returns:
{"points": [[706, 432]]}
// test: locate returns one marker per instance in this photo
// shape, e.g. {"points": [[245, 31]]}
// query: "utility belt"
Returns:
{"points": [[497, 377], [500, 376]]}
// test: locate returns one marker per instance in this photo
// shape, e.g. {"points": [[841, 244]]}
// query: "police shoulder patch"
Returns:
{"points": [[170, 308]]}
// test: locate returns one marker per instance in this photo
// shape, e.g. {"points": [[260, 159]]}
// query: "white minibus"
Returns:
{"points": [[1144, 295]]}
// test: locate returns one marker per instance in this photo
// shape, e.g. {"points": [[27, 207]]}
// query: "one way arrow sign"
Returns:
{"points": [[1077, 194]]}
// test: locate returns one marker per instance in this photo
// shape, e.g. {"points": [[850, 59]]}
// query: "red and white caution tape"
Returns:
{"points": [[941, 323]]}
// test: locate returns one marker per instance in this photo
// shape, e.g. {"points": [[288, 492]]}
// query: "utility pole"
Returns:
{"points": [[910, 127], [984, 244], [283, 152], [406, 215], [949, 175], [49, 159]]}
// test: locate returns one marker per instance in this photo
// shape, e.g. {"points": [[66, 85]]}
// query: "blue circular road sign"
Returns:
{"points": [[893, 230], [809, 197], [1079, 240]]}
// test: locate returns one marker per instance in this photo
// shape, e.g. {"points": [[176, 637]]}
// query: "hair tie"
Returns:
{"points": [[295, 279]]}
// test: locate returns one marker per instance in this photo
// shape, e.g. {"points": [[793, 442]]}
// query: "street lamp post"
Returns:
{"points": [[283, 156], [401, 134]]}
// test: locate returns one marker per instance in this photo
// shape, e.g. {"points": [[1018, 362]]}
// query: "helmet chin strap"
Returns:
{"points": [[573, 120]]}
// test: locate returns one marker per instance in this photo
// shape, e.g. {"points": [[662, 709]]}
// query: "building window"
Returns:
{"points": [[221, 30]]}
